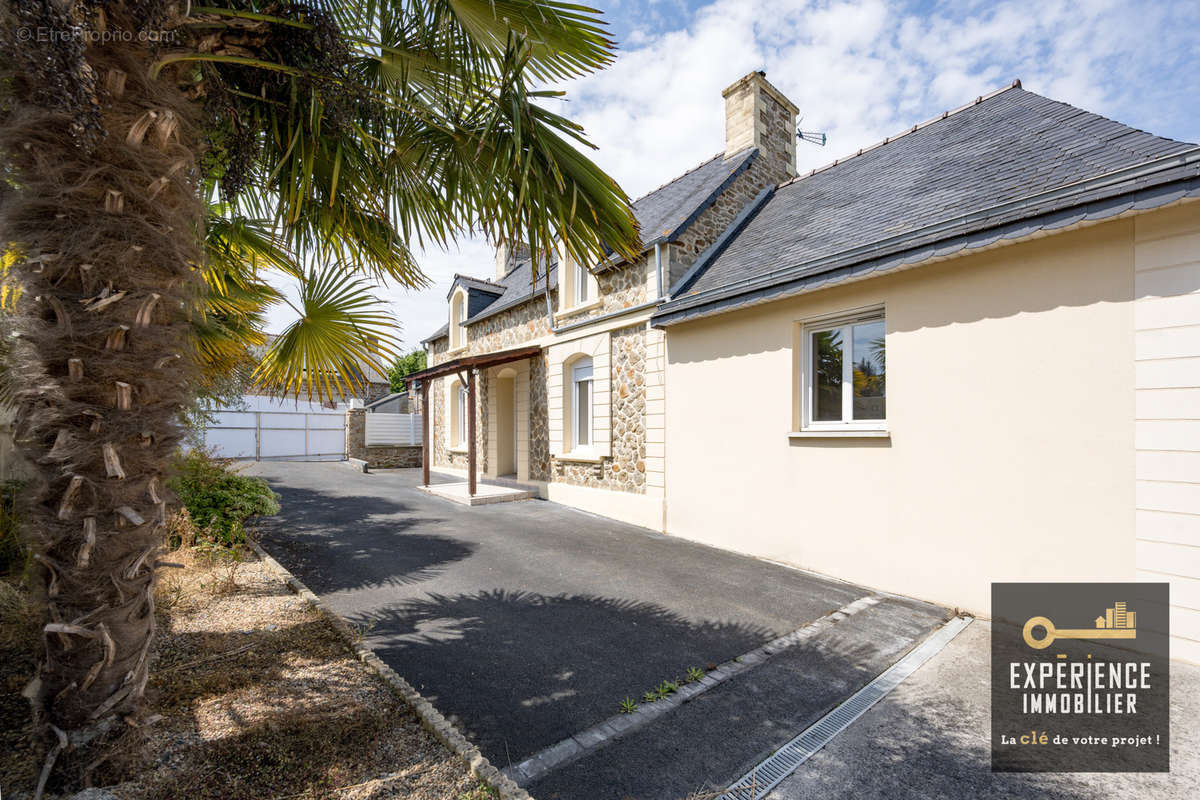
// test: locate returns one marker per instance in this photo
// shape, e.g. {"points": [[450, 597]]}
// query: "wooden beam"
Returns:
{"points": [[471, 432]]}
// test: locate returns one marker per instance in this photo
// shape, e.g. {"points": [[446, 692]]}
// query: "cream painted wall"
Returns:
{"points": [[1167, 352], [1010, 407]]}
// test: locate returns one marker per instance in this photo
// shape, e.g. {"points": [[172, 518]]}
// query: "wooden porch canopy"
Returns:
{"points": [[465, 368]]}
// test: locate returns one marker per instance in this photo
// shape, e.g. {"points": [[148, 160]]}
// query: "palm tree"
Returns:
{"points": [[353, 129]]}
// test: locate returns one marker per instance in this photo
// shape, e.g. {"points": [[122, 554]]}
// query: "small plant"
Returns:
{"points": [[480, 792], [219, 499], [628, 705], [665, 689], [649, 697], [694, 673], [361, 630]]}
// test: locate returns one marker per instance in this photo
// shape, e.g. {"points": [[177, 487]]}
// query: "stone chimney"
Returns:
{"points": [[758, 115], [507, 258]]}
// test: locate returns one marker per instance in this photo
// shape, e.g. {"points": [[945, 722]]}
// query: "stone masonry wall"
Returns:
{"points": [[539, 419], [625, 470], [388, 457], [717, 217], [623, 286]]}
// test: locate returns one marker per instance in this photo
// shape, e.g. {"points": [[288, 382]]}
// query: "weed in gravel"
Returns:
{"points": [[628, 705], [362, 629], [480, 792]]}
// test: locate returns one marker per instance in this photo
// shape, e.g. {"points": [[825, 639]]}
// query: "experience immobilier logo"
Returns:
{"points": [[1089, 696]]}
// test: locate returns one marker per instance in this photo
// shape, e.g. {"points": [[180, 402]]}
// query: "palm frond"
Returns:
{"points": [[424, 129], [343, 329]]}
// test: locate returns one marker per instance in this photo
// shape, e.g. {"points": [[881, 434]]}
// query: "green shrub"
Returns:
{"points": [[219, 499], [14, 553]]}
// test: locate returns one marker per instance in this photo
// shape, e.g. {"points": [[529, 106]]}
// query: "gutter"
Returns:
{"points": [[621, 312], [899, 242]]}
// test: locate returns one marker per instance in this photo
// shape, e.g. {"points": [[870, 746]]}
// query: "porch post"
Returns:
{"points": [[426, 429], [470, 432]]}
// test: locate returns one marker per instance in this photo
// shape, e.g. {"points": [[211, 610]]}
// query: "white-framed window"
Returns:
{"points": [[582, 398], [845, 373], [463, 410], [456, 430], [582, 284], [458, 306]]}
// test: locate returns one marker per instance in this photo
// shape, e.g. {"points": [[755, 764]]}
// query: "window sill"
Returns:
{"points": [[458, 450], [853, 433], [580, 458], [575, 310]]}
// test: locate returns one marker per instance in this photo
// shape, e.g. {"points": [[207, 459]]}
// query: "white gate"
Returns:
{"points": [[396, 430], [268, 429]]}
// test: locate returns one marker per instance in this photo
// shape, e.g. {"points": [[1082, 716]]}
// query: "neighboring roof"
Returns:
{"points": [[438, 334], [662, 215], [386, 398], [966, 179]]}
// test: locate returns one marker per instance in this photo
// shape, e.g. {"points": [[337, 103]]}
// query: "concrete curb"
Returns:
{"points": [[431, 719], [600, 735]]}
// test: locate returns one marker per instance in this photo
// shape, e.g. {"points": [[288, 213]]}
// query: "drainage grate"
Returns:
{"points": [[755, 784]]}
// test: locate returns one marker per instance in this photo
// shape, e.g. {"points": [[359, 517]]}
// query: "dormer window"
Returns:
{"points": [[578, 287], [458, 308], [582, 284]]}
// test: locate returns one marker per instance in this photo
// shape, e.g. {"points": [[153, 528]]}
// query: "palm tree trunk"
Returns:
{"points": [[105, 221]]}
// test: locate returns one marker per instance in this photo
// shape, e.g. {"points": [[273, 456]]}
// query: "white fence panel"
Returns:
{"points": [[398, 430], [228, 443], [267, 428]]}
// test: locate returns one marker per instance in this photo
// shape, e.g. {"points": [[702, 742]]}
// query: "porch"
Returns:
{"points": [[508, 430]]}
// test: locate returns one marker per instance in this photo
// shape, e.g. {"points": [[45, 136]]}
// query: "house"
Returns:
{"points": [[969, 353]]}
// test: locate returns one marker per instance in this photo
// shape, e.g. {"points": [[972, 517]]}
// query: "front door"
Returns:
{"points": [[506, 419]]}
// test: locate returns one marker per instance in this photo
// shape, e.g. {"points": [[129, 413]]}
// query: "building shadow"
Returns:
{"points": [[315, 507], [520, 671], [378, 547]]}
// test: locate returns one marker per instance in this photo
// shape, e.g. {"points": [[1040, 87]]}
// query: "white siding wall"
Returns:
{"points": [[398, 430], [1167, 375]]}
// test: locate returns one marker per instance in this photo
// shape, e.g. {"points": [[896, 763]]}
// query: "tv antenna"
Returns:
{"points": [[812, 137]]}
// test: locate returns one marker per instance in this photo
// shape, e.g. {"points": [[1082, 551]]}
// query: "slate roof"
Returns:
{"points": [[662, 215], [982, 171], [478, 284], [667, 211], [516, 288]]}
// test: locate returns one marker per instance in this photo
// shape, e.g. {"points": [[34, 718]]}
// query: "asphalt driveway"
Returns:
{"points": [[528, 622]]}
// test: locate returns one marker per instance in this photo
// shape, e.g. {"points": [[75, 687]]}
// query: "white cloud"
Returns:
{"points": [[859, 70]]}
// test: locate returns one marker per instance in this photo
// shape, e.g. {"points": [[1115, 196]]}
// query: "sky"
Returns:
{"points": [[859, 70]]}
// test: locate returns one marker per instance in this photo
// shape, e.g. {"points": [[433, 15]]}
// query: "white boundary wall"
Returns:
{"points": [[267, 428]]}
